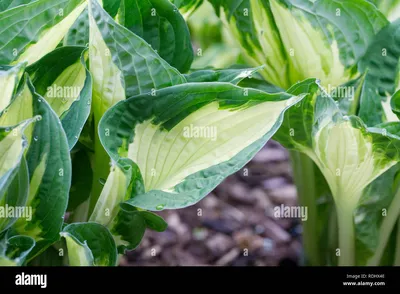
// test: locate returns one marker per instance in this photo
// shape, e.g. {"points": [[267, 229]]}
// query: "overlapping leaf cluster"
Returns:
{"points": [[344, 136], [103, 121], [96, 99]]}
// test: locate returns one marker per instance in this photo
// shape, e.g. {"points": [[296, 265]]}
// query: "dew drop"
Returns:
{"points": [[39, 99], [35, 138], [102, 181], [38, 118], [160, 206]]}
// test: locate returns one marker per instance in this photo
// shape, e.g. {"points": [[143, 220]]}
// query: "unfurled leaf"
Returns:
{"points": [[348, 153], [130, 225], [90, 244], [341, 146], [187, 138], [29, 32], [15, 249], [127, 223], [324, 40], [62, 78], [124, 177]]}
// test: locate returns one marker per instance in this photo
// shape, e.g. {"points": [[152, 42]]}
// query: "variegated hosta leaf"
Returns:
{"points": [[14, 180], [127, 223], [233, 76], [188, 138], [61, 77], [321, 42], [162, 26], [29, 32], [90, 244], [349, 154], [130, 225], [354, 159], [9, 79], [15, 249], [15, 195], [12, 146], [49, 166], [124, 176], [122, 65]]}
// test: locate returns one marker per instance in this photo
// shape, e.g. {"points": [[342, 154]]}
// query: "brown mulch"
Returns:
{"points": [[234, 225]]}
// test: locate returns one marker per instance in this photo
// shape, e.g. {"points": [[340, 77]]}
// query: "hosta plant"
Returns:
{"points": [[104, 121], [103, 124], [344, 135]]}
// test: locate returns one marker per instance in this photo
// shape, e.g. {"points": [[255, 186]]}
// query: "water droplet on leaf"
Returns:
{"points": [[160, 206]]}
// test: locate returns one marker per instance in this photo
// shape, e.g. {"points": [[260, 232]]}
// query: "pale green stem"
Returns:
{"points": [[304, 177], [386, 229], [346, 235]]}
